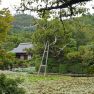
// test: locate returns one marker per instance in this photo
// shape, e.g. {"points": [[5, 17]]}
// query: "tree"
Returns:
{"points": [[21, 23], [59, 40], [5, 19], [72, 7], [14, 40], [81, 32]]}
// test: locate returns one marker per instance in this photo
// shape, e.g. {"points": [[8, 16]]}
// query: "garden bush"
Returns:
{"points": [[31, 62], [6, 64], [13, 54], [76, 61], [76, 69], [55, 69], [91, 69], [1, 65], [63, 68], [49, 69], [19, 62], [85, 70], [37, 68], [10, 86]]}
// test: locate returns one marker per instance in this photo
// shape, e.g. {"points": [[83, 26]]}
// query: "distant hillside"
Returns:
{"points": [[21, 21]]}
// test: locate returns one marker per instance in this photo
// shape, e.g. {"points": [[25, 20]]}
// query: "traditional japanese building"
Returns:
{"points": [[20, 53]]}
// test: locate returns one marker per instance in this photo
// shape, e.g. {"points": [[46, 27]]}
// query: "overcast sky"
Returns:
{"points": [[11, 3]]}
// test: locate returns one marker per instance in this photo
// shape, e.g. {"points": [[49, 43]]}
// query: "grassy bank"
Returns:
{"points": [[54, 84]]}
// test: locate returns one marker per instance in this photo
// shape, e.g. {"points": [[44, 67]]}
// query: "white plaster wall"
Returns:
{"points": [[22, 57], [29, 56]]}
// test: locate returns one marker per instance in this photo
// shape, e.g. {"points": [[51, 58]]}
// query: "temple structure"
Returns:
{"points": [[20, 53]]}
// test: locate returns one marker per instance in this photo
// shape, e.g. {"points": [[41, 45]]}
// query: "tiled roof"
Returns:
{"points": [[21, 47]]}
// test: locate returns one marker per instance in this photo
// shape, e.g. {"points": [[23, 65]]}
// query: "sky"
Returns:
{"points": [[11, 3]]}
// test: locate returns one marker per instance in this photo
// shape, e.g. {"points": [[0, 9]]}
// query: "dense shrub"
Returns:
{"points": [[31, 62], [63, 68], [91, 70], [76, 69], [76, 61], [19, 62], [1, 65], [10, 86], [85, 70], [5, 64], [55, 69], [37, 68], [13, 54], [49, 69]]}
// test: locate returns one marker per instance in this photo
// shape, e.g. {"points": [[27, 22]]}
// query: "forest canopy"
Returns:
{"points": [[21, 23]]}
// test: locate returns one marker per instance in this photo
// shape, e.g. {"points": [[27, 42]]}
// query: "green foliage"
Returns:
{"points": [[31, 61], [54, 81], [37, 68], [76, 69], [48, 12], [10, 86], [70, 55], [4, 55], [20, 62], [49, 69], [87, 57], [5, 19], [11, 53], [80, 31], [7, 63], [63, 68], [91, 70], [55, 70], [28, 70], [14, 40], [17, 69], [85, 70], [6, 58], [21, 21], [41, 36], [82, 49]]}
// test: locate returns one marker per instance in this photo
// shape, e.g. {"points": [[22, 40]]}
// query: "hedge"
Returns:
{"points": [[63, 68]]}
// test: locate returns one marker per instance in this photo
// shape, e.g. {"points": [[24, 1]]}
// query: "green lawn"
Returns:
{"points": [[54, 84]]}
